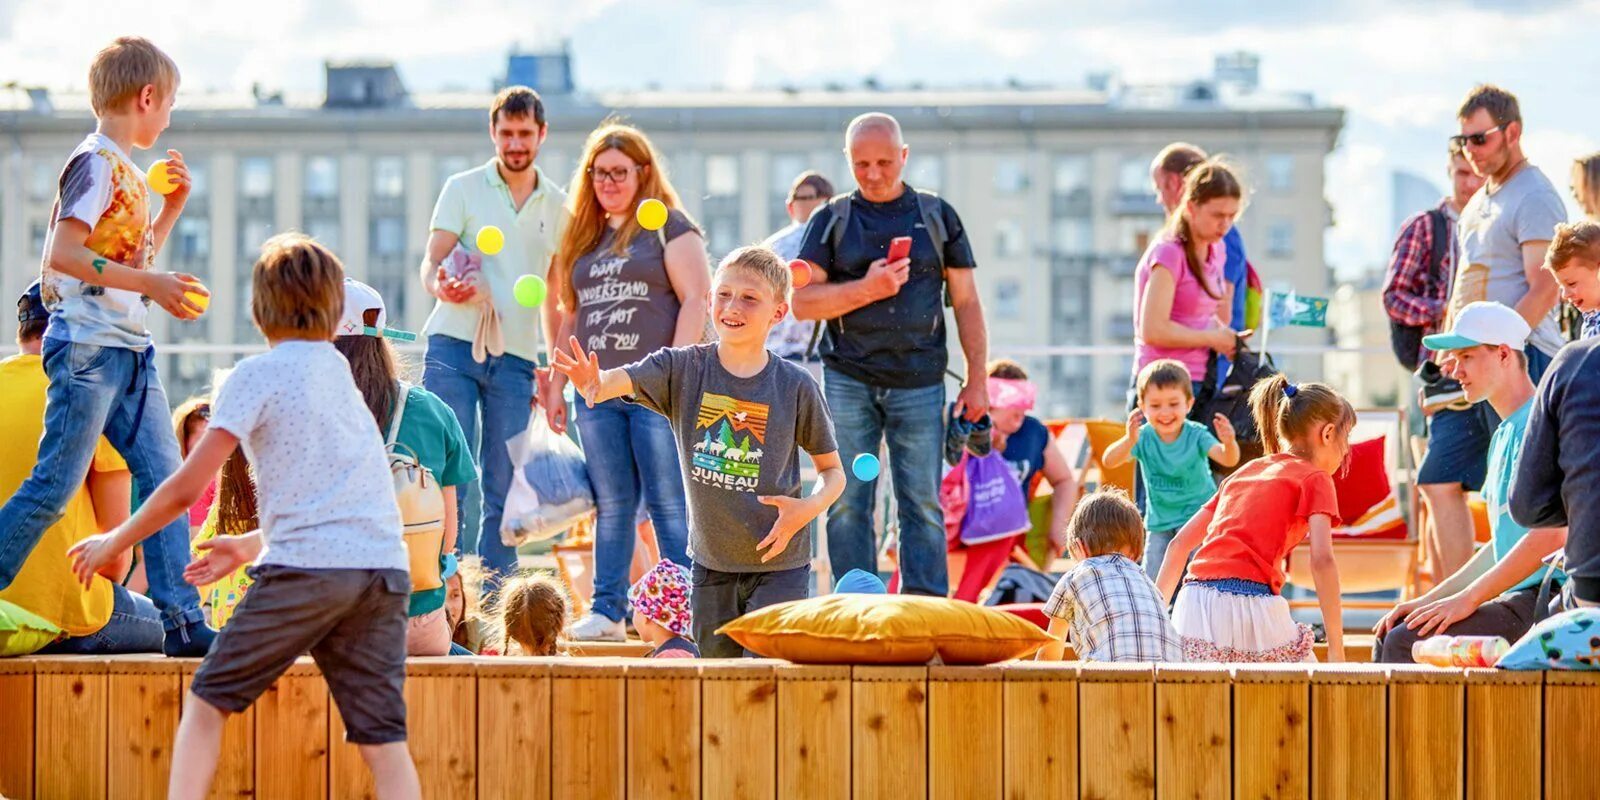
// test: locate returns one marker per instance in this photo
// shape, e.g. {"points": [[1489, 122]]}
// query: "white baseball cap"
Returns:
{"points": [[359, 300], [1482, 323]]}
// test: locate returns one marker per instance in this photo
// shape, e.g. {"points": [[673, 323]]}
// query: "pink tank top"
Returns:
{"points": [[1192, 307]]}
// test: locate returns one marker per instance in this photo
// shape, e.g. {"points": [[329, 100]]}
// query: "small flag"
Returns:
{"points": [[1293, 309]]}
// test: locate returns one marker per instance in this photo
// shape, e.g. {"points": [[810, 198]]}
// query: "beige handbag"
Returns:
{"points": [[421, 501]]}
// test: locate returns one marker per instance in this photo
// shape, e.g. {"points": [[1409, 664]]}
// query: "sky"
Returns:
{"points": [[1398, 67]]}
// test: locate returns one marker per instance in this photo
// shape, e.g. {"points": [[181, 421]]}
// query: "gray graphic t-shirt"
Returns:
{"points": [[1489, 239], [626, 306], [738, 438]]}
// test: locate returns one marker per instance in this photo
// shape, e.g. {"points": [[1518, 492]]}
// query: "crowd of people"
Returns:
{"points": [[313, 501]]}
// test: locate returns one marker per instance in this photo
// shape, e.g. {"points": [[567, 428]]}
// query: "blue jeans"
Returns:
{"points": [[630, 449], [115, 392], [498, 393], [722, 597], [134, 627], [912, 420]]}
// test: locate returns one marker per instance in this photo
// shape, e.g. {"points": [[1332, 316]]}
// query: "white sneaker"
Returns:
{"points": [[596, 628]]}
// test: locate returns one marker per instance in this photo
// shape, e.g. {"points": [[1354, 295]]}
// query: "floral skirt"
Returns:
{"points": [[1217, 625]]}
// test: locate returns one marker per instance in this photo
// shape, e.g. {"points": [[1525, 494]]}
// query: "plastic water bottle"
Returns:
{"points": [[1460, 651]]}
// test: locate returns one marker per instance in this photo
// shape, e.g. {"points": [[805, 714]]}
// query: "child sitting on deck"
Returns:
{"points": [[661, 613], [1107, 602], [532, 613]]}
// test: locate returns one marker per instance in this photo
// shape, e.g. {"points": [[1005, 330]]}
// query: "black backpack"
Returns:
{"points": [[1232, 400], [1406, 340]]}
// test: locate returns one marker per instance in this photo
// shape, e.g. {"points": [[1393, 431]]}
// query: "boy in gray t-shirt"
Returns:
{"points": [[739, 414]]}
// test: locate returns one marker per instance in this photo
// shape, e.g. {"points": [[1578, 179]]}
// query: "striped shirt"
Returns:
{"points": [[1115, 612]]}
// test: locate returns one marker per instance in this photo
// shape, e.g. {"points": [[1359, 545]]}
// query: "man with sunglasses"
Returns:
{"points": [[482, 344], [791, 338], [1501, 237]]}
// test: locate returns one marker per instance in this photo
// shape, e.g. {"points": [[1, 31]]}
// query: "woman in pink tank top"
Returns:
{"points": [[1181, 301]]}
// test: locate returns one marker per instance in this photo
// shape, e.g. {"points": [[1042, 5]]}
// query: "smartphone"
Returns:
{"points": [[899, 247]]}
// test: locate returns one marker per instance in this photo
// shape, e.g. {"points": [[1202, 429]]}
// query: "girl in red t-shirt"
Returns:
{"points": [[1230, 608]]}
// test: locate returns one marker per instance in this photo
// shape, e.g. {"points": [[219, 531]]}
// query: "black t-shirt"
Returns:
{"points": [[897, 342]]}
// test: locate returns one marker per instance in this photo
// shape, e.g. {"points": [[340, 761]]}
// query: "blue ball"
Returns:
{"points": [[865, 466]]}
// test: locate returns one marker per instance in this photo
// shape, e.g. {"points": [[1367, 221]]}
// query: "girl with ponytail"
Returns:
{"points": [[1182, 302], [1230, 608]]}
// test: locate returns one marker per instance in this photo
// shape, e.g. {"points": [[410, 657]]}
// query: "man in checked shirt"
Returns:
{"points": [[1111, 607]]}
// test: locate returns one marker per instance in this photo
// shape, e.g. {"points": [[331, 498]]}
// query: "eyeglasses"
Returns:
{"points": [[1477, 139], [617, 175]]}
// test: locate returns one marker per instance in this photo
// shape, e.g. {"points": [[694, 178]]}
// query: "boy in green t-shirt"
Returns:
{"points": [[1172, 452]]}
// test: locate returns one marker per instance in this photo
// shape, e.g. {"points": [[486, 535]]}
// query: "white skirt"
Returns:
{"points": [[1219, 626]]}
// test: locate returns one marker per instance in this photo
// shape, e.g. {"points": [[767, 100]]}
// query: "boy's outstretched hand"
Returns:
{"points": [[89, 555], [1135, 422], [583, 369], [1224, 427], [793, 514], [221, 556]]}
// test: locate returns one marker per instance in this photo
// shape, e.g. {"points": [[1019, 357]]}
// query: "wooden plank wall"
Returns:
{"points": [[619, 728]]}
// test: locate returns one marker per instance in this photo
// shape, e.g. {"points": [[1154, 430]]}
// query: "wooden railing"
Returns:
{"points": [[613, 728]]}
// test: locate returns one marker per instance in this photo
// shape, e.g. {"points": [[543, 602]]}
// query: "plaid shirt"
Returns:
{"points": [[1414, 294], [1115, 612]]}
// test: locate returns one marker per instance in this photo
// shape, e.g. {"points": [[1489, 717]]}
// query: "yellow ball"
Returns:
{"points": [[490, 240], [201, 300], [159, 178], [652, 214]]}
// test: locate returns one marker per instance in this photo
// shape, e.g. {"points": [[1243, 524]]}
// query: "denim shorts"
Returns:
{"points": [[1458, 447]]}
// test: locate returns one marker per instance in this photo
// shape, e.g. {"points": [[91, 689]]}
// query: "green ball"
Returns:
{"points": [[529, 290]]}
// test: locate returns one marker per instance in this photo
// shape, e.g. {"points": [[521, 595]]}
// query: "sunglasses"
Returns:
{"points": [[617, 175], [1477, 139]]}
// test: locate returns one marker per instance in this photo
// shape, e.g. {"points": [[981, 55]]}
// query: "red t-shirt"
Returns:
{"points": [[1261, 513]]}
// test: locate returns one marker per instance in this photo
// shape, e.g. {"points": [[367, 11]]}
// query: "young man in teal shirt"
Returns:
{"points": [[1496, 592]]}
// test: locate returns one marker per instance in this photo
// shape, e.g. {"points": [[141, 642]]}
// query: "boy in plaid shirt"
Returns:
{"points": [[1107, 601]]}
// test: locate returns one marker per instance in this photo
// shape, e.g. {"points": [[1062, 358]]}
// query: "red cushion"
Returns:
{"points": [[1032, 612], [1365, 480]]}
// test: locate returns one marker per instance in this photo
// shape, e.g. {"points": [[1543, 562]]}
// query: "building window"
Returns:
{"points": [[388, 176], [322, 177], [1010, 175], [255, 177], [722, 176], [325, 230], [1280, 172], [1134, 234], [1009, 240], [1008, 299], [1280, 238], [36, 236], [199, 182], [252, 232], [445, 166], [785, 167], [926, 172], [42, 178], [1133, 178], [722, 235], [388, 236], [1073, 236], [1071, 175], [193, 240]]}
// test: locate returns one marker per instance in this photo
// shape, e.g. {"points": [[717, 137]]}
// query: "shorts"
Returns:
{"points": [[352, 621], [1458, 447]]}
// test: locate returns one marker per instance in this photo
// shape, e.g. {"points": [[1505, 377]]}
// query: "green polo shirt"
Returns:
{"points": [[478, 197]]}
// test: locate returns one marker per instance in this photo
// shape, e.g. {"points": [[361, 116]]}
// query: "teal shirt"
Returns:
{"points": [[1504, 532], [430, 428], [1177, 476]]}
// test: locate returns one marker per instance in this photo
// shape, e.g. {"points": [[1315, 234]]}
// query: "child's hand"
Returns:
{"points": [[221, 556], [1135, 422], [793, 514], [178, 173], [89, 555], [1224, 428], [583, 369], [167, 289]]}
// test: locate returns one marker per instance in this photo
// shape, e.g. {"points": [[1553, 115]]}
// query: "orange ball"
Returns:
{"points": [[800, 273]]}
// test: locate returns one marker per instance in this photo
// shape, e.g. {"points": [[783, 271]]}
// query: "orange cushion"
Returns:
{"points": [[884, 629]]}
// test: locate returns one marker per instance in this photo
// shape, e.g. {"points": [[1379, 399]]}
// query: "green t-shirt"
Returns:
{"points": [[1177, 476], [431, 430]]}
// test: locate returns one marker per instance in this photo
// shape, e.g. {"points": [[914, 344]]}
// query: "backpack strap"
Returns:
{"points": [[399, 411], [1439, 227]]}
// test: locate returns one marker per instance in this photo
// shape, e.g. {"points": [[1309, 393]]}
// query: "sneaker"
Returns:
{"points": [[597, 628], [188, 641], [980, 442], [961, 435]]}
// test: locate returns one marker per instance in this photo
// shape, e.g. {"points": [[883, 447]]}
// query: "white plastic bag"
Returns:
{"points": [[549, 489]]}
